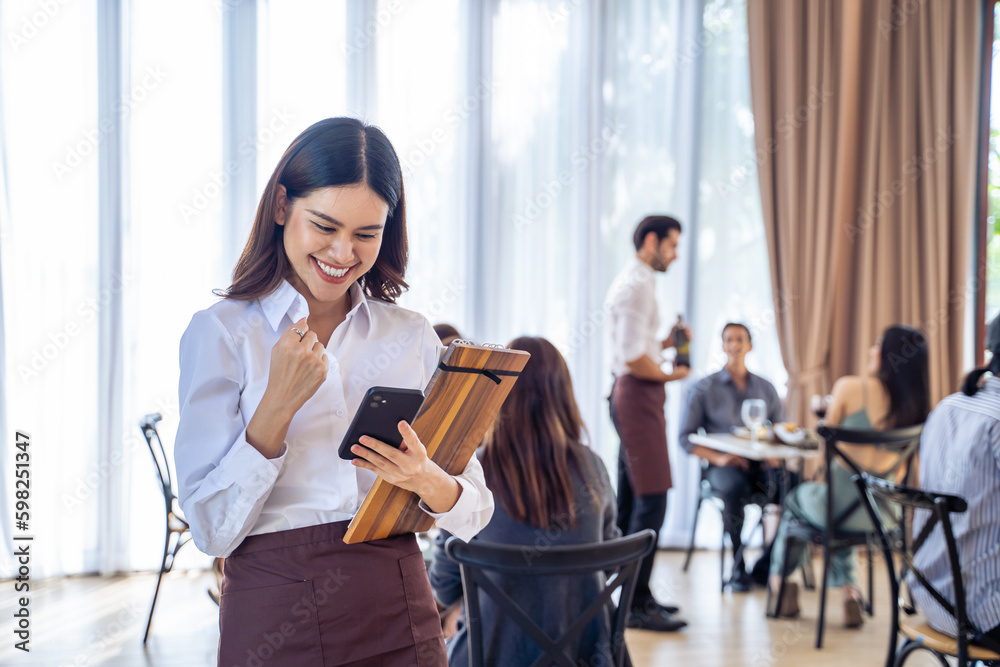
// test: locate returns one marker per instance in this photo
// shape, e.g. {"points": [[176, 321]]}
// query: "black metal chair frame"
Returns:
{"points": [[940, 506], [903, 442], [707, 492], [177, 530], [477, 559]]}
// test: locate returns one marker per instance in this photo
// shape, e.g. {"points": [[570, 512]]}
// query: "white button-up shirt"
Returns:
{"points": [[227, 489], [634, 317]]}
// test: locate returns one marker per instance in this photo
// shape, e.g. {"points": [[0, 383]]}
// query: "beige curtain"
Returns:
{"points": [[866, 121]]}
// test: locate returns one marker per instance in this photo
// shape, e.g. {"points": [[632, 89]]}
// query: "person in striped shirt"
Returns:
{"points": [[960, 455]]}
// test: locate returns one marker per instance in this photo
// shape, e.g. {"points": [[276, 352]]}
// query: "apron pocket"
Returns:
{"points": [[272, 626], [425, 621]]}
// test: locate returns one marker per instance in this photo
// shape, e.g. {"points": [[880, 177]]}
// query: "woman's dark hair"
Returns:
{"points": [[971, 384], [904, 372], [331, 153], [536, 442], [661, 225], [444, 330]]}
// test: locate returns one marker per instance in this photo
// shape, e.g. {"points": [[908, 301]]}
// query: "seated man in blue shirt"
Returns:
{"points": [[960, 455], [714, 403]]}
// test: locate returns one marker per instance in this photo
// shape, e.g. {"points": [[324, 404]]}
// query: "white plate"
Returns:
{"points": [[764, 435], [793, 437]]}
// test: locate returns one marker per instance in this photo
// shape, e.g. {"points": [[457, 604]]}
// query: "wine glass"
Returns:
{"points": [[820, 404], [753, 413]]}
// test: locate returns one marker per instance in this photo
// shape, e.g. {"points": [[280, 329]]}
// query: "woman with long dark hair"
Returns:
{"points": [[894, 393], [271, 376], [552, 490]]}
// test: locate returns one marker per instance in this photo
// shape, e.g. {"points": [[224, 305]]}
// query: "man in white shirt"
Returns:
{"points": [[637, 399]]}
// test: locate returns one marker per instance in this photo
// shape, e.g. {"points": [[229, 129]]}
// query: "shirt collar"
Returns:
{"points": [[286, 300], [638, 270], [726, 377]]}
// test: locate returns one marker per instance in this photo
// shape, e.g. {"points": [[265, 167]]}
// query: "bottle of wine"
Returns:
{"points": [[682, 344]]}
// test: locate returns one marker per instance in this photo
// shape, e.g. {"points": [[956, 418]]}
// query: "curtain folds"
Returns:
{"points": [[865, 115]]}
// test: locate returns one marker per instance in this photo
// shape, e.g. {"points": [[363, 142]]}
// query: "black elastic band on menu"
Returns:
{"points": [[491, 374]]}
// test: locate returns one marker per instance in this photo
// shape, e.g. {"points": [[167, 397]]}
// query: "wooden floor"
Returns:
{"points": [[100, 621]]}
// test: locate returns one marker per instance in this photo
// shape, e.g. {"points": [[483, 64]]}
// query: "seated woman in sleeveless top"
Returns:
{"points": [[894, 393], [552, 491]]}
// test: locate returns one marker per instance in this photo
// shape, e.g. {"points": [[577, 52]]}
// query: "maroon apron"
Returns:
{"points": [[303, 598], [642, 427]]}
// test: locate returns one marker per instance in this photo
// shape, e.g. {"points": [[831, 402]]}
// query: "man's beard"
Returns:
{"points": [[657, 263]]}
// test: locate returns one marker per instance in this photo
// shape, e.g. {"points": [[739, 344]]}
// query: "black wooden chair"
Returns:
{"points": [[178, 533], [888, 504], [903, 443], [482, 563]]}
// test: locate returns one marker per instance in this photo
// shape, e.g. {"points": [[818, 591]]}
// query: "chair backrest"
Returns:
{"points": [[148, 426], [478, 559], [879, 494], [902, 442]]}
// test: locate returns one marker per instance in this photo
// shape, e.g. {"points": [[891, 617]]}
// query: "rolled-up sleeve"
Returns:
{"points": [[474, 508], [222, 480]]}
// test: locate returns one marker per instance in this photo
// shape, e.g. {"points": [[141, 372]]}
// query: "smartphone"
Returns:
{"points": [[381, 410]]}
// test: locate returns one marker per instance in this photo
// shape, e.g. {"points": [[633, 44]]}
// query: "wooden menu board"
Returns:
{"points": [[462, 400]]}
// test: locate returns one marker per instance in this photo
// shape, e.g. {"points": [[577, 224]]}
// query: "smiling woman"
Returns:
{"points": [[267, 391], [331, 237]]}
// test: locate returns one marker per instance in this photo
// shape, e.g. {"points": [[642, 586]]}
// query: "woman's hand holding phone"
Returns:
{"points": [[298, 367], [409, 468]]}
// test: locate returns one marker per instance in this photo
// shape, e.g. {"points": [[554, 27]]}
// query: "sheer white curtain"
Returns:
{"points": [[729, 280], [654, 96], [534, 135], [303, 56], [422, 103], [177, 251], [51, 296], [7, 499]]}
